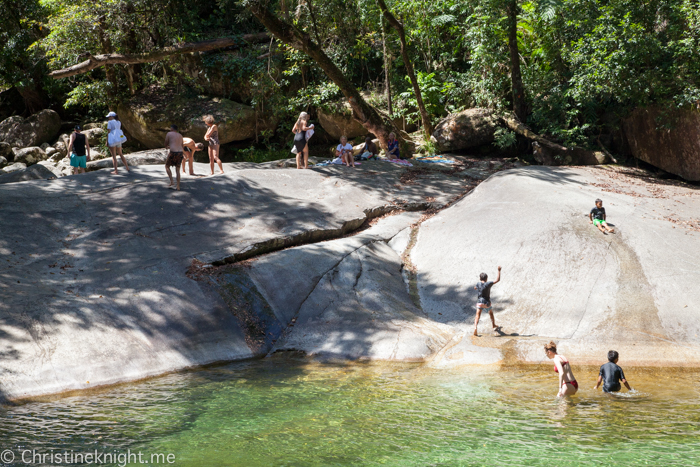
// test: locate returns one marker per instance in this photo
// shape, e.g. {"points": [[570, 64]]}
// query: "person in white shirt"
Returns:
{"points": [[344, 151], [114, 128]]}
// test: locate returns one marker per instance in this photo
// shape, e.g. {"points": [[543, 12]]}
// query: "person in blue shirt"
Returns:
{"points": [[611, 375], [393, 149]]}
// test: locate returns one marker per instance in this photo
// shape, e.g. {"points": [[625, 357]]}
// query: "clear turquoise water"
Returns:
{"points": [[288, 411]]}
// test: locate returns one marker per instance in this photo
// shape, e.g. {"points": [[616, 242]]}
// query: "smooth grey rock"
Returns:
{"points": [[35, 172], [3, 162], [15, 166], [52, 167], [40, 128], [634, 291], [102, 284], [150, 157], [30, 156], [61, 148], [50, 150]]}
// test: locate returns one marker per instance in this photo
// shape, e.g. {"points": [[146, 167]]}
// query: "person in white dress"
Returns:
{"points": [[114, 140]]}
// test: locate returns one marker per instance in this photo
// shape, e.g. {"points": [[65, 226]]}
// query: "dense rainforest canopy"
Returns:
{"points": [[571, 69]]}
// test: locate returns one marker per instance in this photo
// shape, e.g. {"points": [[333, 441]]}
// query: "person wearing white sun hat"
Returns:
{"points": [[115, 138]]}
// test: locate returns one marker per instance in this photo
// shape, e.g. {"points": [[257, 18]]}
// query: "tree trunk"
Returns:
{"points": [[519, 102], [361, 110], [427, 125], [387, 77], [34, 98], [111, 59]]}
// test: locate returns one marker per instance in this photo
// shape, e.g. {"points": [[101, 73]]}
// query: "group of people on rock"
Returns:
{"points": [[303, 131], [180, 149], [610, 373]]}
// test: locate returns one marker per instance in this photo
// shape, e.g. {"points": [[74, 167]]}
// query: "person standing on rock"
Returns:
{"points": [[174, 144], [567, 383], [483, 302], [212, 136], [300, 140], [115, 137], [597, 217], [79, 150], [190, 147]]}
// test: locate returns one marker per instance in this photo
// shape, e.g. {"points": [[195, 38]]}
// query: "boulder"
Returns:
{"points": [[3, 162], [147, 118], [151, 157], [14, 167], [94, 134], [35, 172], [337, 120], [30, 155], [91, 126], [50, 151], [44, 146], [33, 131], [676, 149], [466, 129], [6, 151], [61, 147], [52, 167]]}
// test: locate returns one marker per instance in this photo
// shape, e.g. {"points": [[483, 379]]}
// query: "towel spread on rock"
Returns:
{"points": [[435, 160], [399, 161]]}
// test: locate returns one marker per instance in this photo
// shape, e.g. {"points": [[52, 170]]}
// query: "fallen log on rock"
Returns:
{"points": [[547, 152]]}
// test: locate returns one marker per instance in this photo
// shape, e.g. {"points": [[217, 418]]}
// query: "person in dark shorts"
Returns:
{"points": [[190, 147], [79, 150], [174, 144], [611, 375], [483, 301], [597, 217]]}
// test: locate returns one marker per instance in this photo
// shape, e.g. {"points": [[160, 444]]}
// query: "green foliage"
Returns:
{"points": [[504, 138], [434, 94]]}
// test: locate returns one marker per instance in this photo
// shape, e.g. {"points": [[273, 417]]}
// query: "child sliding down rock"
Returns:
{"points": [[597, 217]]}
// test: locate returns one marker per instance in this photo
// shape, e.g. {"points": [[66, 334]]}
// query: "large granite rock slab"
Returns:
{"points": [[150, 157], [675, 149], [41, 127], [148, 117], [96, 289], [634, 291]]}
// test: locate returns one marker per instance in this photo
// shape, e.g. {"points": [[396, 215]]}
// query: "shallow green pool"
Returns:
{"points": [[287, 411]]}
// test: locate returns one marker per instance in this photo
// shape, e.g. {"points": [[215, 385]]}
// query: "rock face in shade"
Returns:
{"points": [[675, 150], [41, 127], [466, 129], [148, 118], [338, 121]]}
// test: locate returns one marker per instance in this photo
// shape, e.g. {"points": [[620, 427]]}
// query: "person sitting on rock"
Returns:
{"points": [[79, 150], [369, 150], [611, 375], [393, 151], [483, 301], [173, 143], [344, 151], [190, 147], [598, 218]]}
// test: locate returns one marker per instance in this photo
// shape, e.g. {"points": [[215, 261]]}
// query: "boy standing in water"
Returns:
{"points": [[483, 302], [597, 217], [612, 374]]}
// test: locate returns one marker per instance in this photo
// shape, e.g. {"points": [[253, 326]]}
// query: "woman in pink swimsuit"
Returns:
{"points": [[567, 383]]}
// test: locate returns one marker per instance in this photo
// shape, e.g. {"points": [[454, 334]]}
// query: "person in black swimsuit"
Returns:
{"points": [[300, 141], [611, 375], [79, 151], [212, 136]]}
